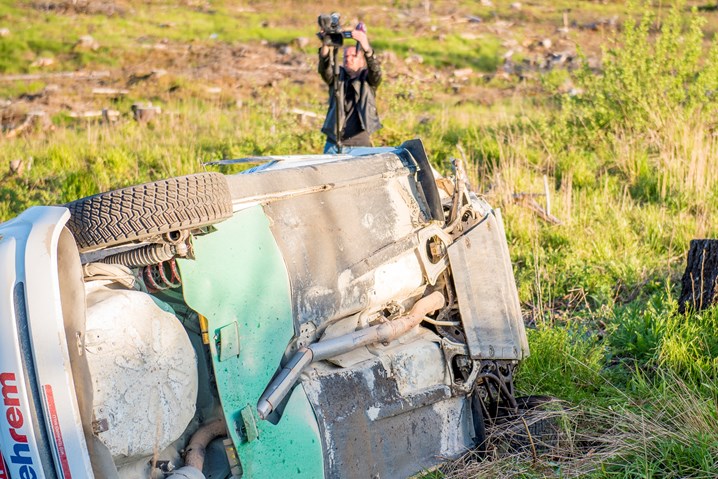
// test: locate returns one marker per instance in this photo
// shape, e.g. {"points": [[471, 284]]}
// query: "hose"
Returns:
{"points": [[196, 449], [194, 455], [441, 323]]}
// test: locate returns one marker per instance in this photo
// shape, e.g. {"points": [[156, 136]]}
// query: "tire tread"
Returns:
{"points": [[140, 211]]}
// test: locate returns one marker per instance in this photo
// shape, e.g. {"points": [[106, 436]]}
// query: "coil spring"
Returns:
{"points": [[161, 276]]}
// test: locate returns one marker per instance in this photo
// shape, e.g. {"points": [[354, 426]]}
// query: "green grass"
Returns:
{"points": [[630, 165]]}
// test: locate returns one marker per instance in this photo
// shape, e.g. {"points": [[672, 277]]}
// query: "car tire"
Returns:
{"points": [[142, 211]]}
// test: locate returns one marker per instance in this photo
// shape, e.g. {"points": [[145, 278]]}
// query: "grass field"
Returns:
{"points": [[613, 104]]}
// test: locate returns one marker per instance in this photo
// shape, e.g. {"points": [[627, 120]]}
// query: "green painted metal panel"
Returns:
{"points": [[239, 276]]}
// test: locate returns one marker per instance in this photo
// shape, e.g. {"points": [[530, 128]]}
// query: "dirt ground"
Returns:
{"points": [[160, 68]]}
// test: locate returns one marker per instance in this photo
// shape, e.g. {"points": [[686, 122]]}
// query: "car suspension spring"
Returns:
{"points": [[144, 256], [161, 276]]}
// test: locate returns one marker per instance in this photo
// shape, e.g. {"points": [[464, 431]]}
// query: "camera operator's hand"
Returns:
{"points": [[360, 36], [324, 51]]}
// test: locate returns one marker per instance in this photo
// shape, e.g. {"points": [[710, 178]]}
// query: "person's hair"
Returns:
{"points": [[359, 52]]}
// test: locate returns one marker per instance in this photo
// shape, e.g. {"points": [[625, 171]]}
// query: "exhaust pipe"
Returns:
{"points": [[280, 386], [195, 452]]}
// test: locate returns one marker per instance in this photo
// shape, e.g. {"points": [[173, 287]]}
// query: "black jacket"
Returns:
{"points": [[365, 84]]}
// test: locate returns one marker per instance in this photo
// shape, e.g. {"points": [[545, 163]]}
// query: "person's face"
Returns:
{"points": [[353, 60]]}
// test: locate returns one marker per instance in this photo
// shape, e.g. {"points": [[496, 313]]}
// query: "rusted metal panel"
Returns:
{"points": [[486, 293], [392, 416]]}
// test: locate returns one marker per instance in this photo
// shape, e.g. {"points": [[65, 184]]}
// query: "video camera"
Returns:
{"points": [[331, 33]]}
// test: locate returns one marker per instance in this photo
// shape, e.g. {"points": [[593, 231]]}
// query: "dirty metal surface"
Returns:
{"points": [[239, 276], [389, 417], [486, 292], [268, 185], [350, 248]]}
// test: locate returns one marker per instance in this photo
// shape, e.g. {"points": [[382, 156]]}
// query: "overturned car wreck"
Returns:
{"points": [[316, 316]]}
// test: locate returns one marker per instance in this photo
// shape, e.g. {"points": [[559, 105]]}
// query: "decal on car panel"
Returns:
{"points": [[19, 447], [3, 468], [56, 431]]}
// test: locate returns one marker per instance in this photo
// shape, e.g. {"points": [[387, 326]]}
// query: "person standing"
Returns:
{"points": [[359, 78]]}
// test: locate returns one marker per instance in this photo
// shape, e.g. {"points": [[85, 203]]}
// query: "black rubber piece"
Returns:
{"points": [[543, 432], [141, 211]]}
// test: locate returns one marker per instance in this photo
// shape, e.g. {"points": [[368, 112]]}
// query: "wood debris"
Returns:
{"points": [[145, 112], [109, 91], [527, 200], [33, 117], [41, 76], [110, 116]]}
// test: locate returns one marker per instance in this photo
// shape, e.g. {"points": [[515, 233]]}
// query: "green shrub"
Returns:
{"points": [[565, 362]]}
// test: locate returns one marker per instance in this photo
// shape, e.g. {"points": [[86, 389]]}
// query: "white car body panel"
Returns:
{"points": [[30, 243]]}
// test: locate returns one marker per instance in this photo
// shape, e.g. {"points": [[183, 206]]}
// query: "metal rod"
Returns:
{"points": [[338, 102], [280, 386]]}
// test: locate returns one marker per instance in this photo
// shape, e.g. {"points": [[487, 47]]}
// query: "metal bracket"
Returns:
{"points": [[432, 270], [228, 341], [251, 432]]}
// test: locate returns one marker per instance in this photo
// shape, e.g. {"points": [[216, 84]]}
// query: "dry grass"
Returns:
{"points": [[671, 434]]}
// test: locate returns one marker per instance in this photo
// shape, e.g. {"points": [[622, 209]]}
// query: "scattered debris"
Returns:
{"points": [[31, 96], [304, 116], [83, 7], [156, 46], [527, 200], [284, 50], [43, 62], [301, 42], [140, 77], [104, 91], [565, 29], [463, 73], [145, 112], [516, 6], [41, 76], [109, 116], [213, 90], [4, 32], [32, 118], [474, 19], [86, 43], [17, 167]]}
